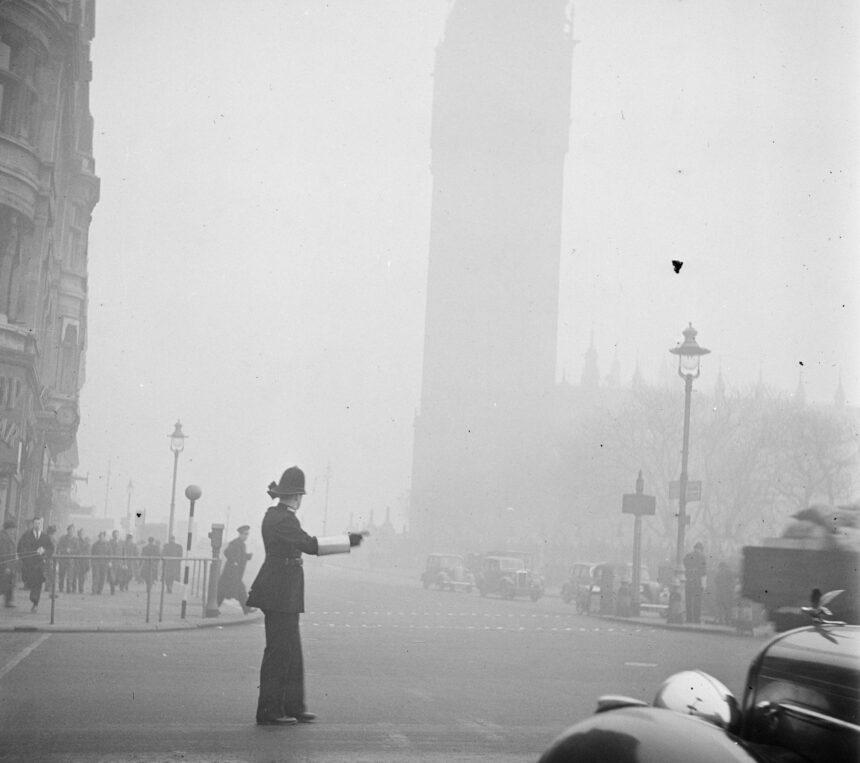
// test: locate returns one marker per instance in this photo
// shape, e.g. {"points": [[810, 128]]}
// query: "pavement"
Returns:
{"points": [[126, 611], [121, 612]]}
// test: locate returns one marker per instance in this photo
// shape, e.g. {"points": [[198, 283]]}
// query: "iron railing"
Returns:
{"points": [[196, 587]]}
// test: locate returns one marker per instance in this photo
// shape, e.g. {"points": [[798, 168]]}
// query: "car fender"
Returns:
{"points": [[653, 735]]}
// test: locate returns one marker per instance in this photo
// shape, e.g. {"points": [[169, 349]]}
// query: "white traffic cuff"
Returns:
{"points": [[334, 544]]}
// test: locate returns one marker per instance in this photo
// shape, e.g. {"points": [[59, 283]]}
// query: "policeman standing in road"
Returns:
{"points": [[279, 590]]}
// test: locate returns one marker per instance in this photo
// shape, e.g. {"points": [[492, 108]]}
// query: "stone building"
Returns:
{"points": [[48, 189]]}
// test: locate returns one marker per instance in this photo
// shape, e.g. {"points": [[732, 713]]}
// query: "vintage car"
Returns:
{"points": [[507, 576], [801, 704], [596, 587], [448, 573], [577, 588]]}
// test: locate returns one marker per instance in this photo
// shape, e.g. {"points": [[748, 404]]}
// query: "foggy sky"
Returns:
{"points": [[258, 257]]}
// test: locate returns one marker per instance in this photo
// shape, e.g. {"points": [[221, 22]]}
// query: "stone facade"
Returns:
{"points": [[48, 189]]}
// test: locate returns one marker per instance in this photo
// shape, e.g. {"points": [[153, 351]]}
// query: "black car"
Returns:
{"points": [[801, 705]]}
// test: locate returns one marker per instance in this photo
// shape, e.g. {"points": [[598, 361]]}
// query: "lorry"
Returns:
{"points": [[813, 553]]}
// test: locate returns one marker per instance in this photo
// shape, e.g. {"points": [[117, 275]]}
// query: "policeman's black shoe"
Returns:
{"points": [[306, 717], [285, 721]]}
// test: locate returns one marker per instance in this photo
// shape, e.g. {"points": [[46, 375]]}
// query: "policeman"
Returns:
{"points": [[279, 591]]}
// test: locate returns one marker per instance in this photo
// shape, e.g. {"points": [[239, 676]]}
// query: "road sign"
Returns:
{"points": [[694, 490], [638, 504]]}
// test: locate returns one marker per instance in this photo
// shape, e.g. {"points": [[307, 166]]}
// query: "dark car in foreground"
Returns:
{"points": [[801, 705]]}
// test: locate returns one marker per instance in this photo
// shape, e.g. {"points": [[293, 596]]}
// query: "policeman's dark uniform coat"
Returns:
{"points": [[279, 591]]}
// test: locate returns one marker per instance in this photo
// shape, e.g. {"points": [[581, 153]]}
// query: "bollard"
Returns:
{"points": [[192, 493], [217, 538]]}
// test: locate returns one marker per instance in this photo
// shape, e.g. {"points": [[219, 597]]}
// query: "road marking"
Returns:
{"points": [[641, 664], [22, 655]]}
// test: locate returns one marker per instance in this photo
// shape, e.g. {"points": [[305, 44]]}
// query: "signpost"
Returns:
{"points": [[694, 490], [639, 505]]}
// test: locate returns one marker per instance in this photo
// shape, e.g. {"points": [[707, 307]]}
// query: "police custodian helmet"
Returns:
{"points": [[292, 483]]}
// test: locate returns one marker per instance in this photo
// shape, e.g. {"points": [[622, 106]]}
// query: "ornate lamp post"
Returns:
{"points": [[689, 355], [177, 444]]}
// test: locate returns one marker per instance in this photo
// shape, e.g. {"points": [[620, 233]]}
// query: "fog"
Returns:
{"points": [[258, 258]]}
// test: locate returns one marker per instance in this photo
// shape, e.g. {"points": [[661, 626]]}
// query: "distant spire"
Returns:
{"points": [[590, 372], [839, 396], [799, 392]]}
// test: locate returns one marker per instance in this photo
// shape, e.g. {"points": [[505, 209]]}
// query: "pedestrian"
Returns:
{"points": [[149, 563], [724, 593], [82, 563], [230, 585], [99, 551], [126, 571], [114, 552], [8, 563], [695, 568], [32, 547], [67, 546], [172, 553], [279, 590], [50, 564]]}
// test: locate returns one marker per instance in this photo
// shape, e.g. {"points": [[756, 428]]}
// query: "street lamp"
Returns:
{"points": [[129, 490], [177, 443], [689, 355]]}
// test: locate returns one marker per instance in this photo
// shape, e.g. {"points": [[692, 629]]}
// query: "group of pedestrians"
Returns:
{"points": [[108, 562]]}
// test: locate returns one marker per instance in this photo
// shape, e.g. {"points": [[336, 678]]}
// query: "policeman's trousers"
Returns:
{"points": [[282, 674]]}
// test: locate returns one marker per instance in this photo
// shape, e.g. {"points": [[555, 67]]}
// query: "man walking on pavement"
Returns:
{"points": [[695, 568], [32, 548], [82, 565], [279, 590], [67, 546], [8, 563], [230, 585], [172, 553]]}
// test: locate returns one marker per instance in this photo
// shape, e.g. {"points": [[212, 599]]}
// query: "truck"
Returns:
{"points": [[781, 573]]}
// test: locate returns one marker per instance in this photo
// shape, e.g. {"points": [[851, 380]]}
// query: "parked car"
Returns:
{"points": [[447, 572], [608, 579], [577, 588], [506, 576], [801, 704]]}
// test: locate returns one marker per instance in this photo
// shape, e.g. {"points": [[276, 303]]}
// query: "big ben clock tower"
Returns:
{"points": [[499, 139]]}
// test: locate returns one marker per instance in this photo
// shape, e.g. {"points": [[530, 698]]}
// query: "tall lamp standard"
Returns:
{"points": [[177, 444], [129, 490], [689, 355]]}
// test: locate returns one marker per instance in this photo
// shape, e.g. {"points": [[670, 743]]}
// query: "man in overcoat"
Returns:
{"points": [[33, 547], [279, 590], [172, 553], [67, 546], [230, 585]]}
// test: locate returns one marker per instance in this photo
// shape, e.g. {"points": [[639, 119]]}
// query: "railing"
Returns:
{"points": [[148, 568]]}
